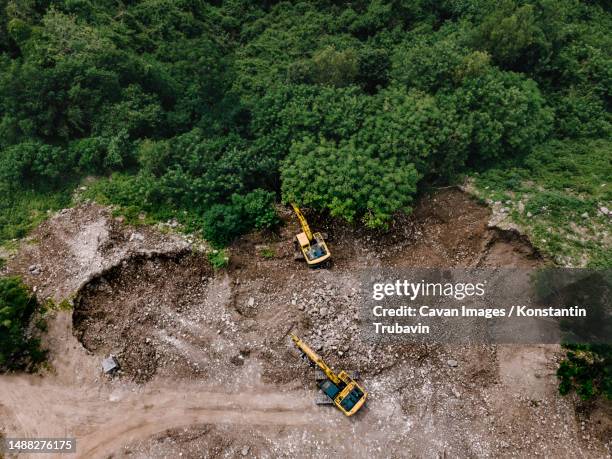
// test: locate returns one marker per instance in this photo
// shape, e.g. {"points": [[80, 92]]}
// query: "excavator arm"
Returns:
{"points": [[303, 221], [314, 358]]}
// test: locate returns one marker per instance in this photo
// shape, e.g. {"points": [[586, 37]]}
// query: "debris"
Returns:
{"points": [[136, 237], [35, 270], [110, 364], [452, 363]]}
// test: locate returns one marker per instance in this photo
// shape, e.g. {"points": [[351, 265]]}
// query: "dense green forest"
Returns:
{"points": [[211, 111]]}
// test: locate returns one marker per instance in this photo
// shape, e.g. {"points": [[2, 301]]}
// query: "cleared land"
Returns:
{"points": [[208, 369]]}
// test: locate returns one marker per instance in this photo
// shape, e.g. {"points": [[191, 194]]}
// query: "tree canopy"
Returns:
{"points": [[194, 109]]}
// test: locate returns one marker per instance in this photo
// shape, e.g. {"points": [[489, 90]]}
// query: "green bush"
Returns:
{"points": [[587, 369], [258, 209], [34, 163], [507, 112], [218, 259], [428, 64], [17, 305], [582, 115], [225, 222]]}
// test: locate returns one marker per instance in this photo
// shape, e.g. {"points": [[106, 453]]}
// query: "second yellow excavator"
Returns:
{"points": [[312, 246], [343, 390]]}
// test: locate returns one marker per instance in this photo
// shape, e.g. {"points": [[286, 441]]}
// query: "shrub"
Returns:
{"points": [[34, 163], [218, 259], [17, 305], [507, 112], [225, 222], [427, 66], [258, 209], [587, 369]]}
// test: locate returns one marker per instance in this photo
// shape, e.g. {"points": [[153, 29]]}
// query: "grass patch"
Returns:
{"points": [[123, 191], [21, 211], [219, 259], [268, 253], [64, 305], [556, 194]]}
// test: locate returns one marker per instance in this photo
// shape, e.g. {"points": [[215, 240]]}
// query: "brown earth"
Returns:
{"points": [[208, 369]]}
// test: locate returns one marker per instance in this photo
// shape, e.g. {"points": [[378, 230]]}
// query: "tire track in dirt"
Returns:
{"points": [[112, 436], [44, 408]]}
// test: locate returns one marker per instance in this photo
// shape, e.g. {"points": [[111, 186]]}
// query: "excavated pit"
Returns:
{"points": [[146, 312]]}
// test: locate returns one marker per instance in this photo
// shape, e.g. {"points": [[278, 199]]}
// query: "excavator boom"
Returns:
{"points": [[314, 358], [303, 221]]}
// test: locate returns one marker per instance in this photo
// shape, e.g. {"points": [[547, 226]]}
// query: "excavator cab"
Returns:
{"points": [[312, 247], [341, 389]]}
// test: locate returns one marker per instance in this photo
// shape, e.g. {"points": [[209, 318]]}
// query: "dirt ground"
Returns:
{"points": [[208, 369]]}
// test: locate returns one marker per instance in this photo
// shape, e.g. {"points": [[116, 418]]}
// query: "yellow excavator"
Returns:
{"points": [[343, 390], [312, 246]]}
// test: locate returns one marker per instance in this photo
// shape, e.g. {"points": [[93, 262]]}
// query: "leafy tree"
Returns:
{"points": [[511, 32], [414, 127], [347, 180], [290, 112], [373, 68], [508, 114]]}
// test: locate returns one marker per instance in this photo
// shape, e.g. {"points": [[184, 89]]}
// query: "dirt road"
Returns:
{"points": [[104, 422]]}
